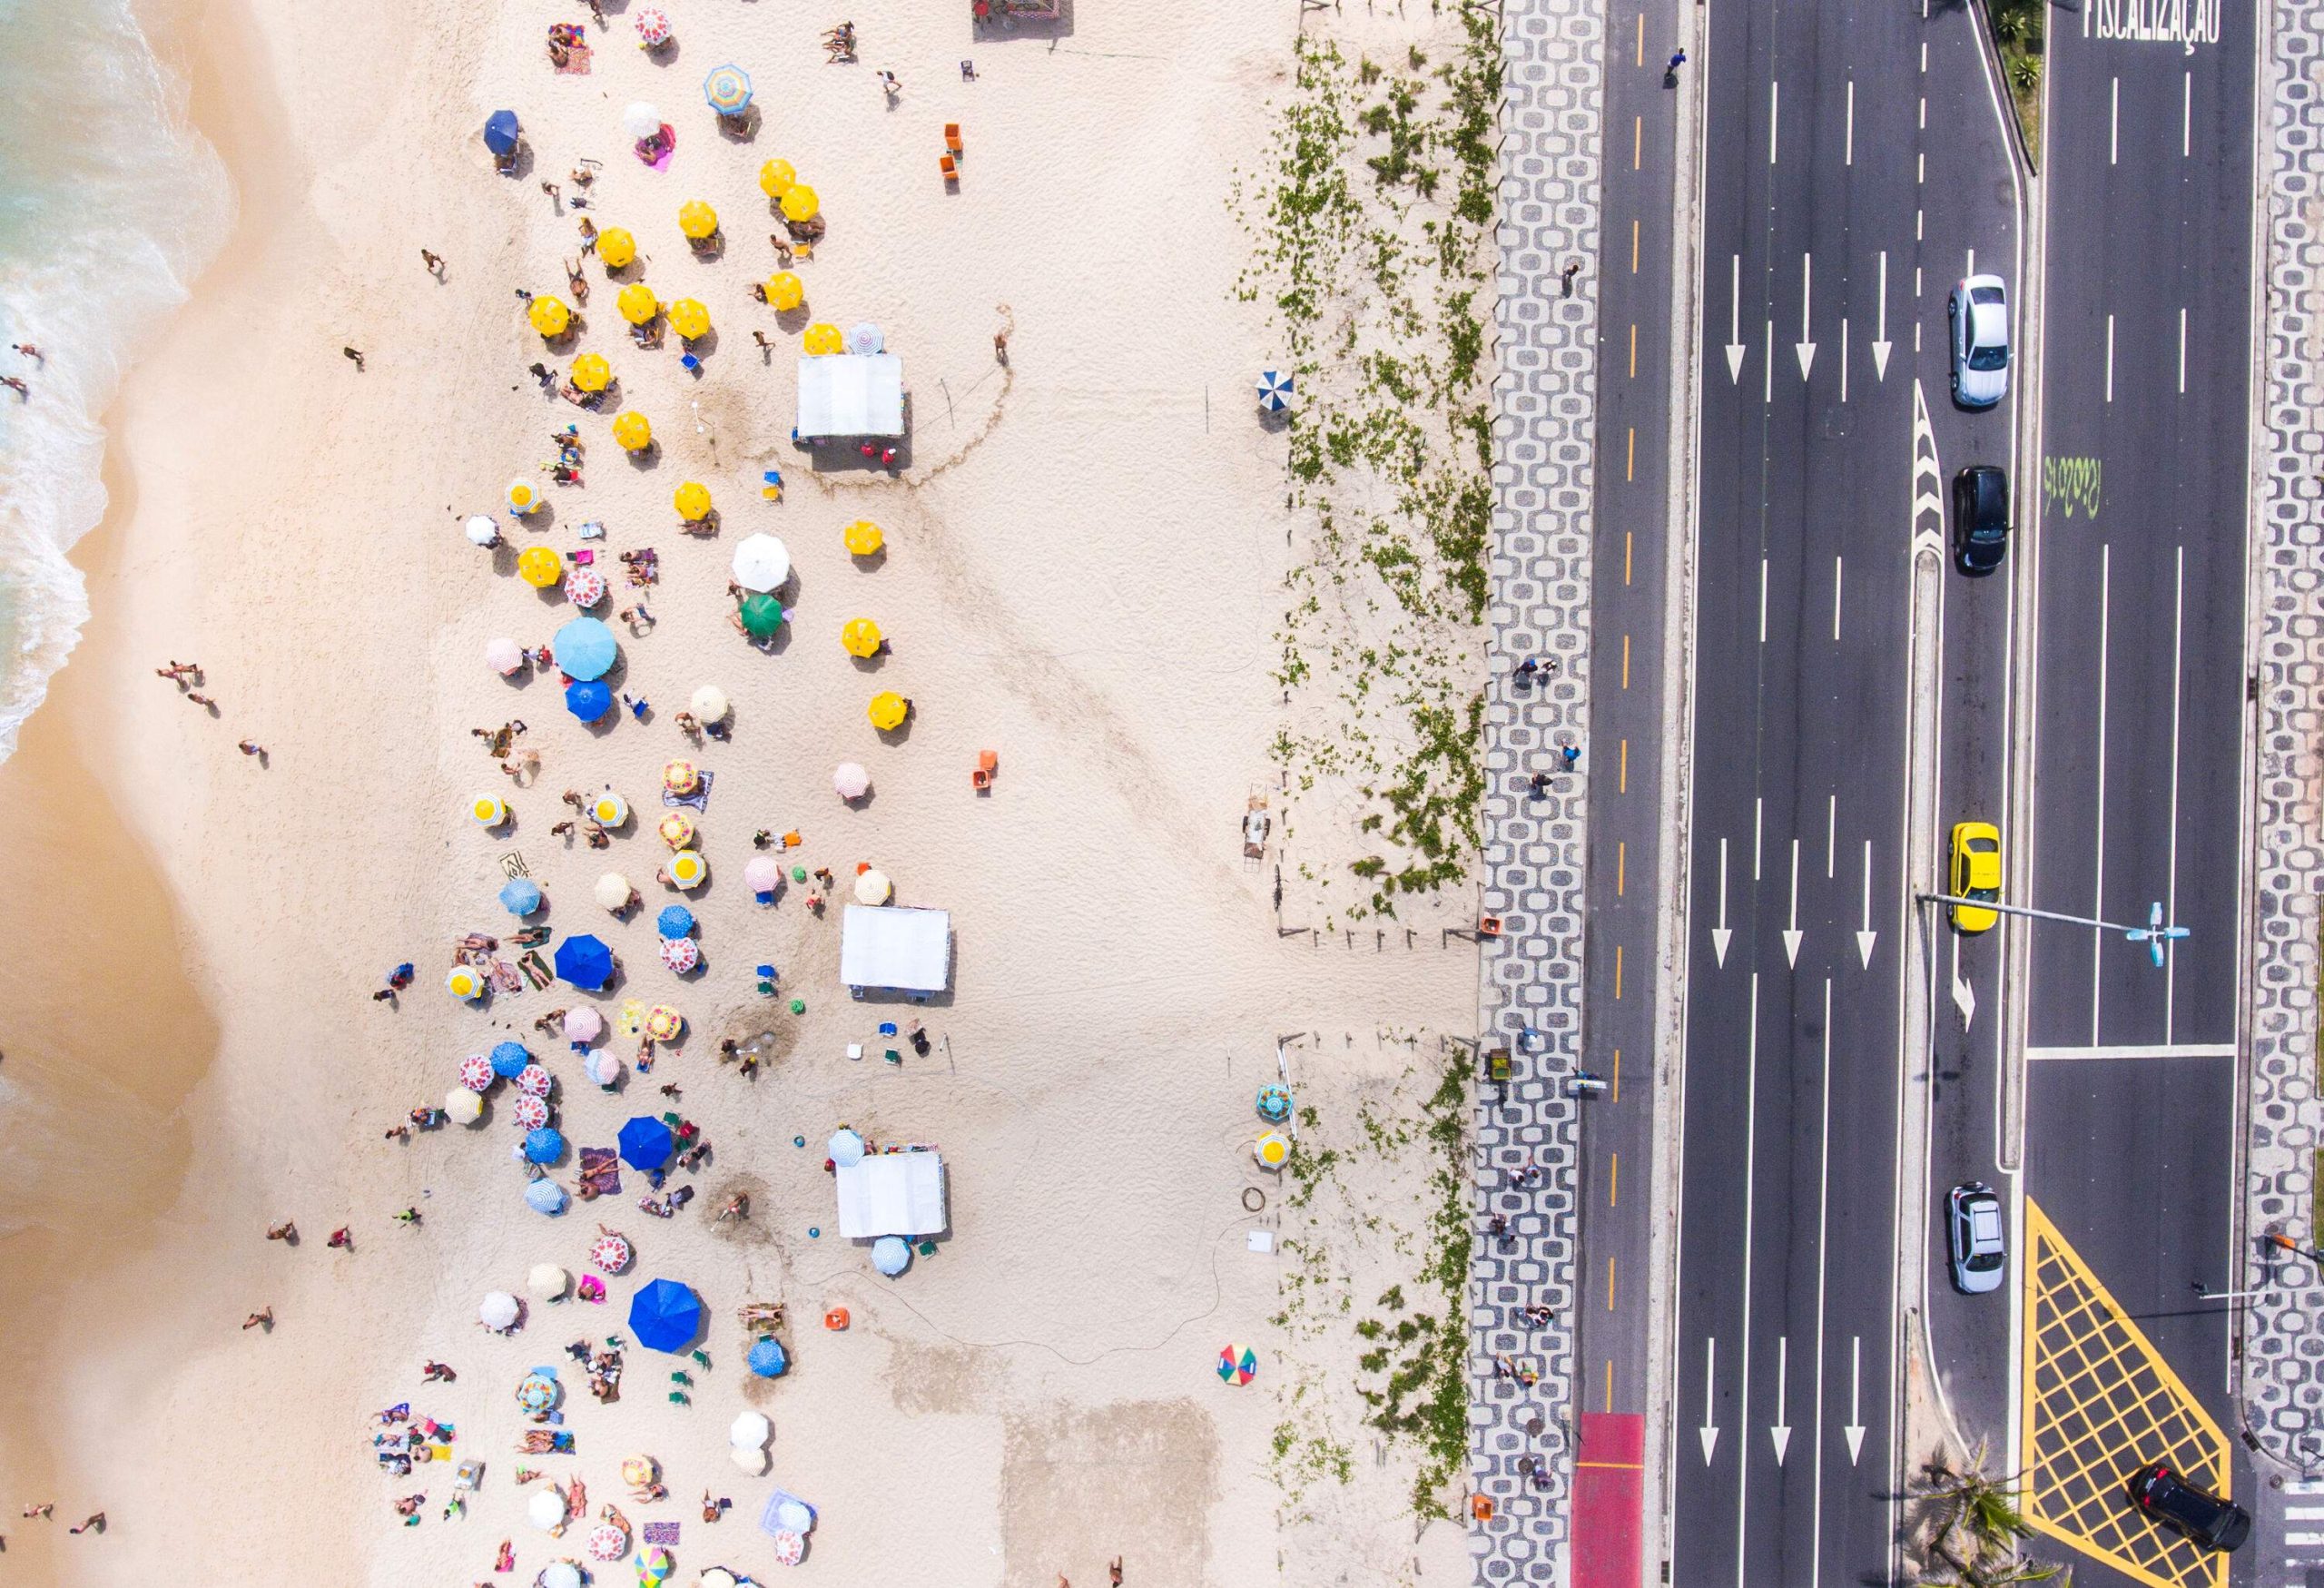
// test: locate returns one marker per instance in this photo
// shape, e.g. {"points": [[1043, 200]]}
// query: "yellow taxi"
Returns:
{"points": [[1976, 875]]}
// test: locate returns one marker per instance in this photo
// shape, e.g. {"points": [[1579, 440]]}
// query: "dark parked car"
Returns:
{"points": [[1980, 518], [2210, 1521]]}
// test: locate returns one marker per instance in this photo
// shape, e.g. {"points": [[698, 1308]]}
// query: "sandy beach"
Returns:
{"points": [[1085, 555]]}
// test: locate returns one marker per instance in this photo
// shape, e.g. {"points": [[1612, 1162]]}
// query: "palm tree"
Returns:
{"points": [[1971, 1527]]}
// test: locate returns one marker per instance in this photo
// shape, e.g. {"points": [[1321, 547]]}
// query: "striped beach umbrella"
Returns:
{"points": [[1275, 390], [728, 89]]}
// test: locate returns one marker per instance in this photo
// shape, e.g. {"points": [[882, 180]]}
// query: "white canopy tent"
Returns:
{"points": [[892, 1193], [850, 394], [895, 949]]}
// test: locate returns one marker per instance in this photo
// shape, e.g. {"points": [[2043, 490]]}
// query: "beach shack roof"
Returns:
{"points": [[852, 394], [892, 1193], [895, 949]]}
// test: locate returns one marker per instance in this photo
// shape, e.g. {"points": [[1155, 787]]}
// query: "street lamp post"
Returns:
{"points": [[2154, 933]]}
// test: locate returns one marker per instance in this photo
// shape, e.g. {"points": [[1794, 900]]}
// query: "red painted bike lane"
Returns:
{"points": [[1608, 1498]]}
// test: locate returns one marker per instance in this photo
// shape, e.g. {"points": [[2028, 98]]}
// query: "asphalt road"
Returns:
{"points": [[1849, 172]]}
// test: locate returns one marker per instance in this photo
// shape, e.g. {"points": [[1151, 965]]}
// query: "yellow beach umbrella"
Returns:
{"points": [[591, 372], [697, 220], [888, 710], [777, 178], [664, 1023], [1271, 1150], [637, 303], [488, 810], [873, 887], [677, 830], [785, 291], [549, 316], [630, 1021], [688, 869], [632, 432], [616, 247], [540, 566], [860, 636], [464, 1106], [689, 319], [608, 809], [822, 338], [693, 501], [863, 539], [800, 202], [681, 777], [524, 495], [465, 982]]}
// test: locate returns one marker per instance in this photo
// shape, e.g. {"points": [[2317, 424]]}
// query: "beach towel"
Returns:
{"points": [[505, 977], [661, 1533], [699, 799], [601, 1172], [577, 61]]}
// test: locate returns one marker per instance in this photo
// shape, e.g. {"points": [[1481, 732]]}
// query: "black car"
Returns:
{"points": [[1980, 518], [2214, 1522]]}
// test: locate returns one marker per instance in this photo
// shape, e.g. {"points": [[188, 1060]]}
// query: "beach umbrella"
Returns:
{"points": [[850, 781], [582, 1024], [789, 1547], [845, 1148], [540, 566], [798, 203], [689, 319], [1236, 1365], [636, 303], [692, 499], [586, 961], [529, 1113], [891, 1255], [662, 1023], [591, 372], [888, 710], [588, 698], [584, 648], [504, 656], [680, 954], [688, 869], [676, 829], [873, 887], [463, 1106], [610, 1251], [1273, 1104], [793, 1514], [784, 291], [681, 776], [498, 1310], [520, 895], [762, 875], [865, 338], [584, 587], [534, 1080], [749, 1430], [728, 89], [608, 809], [862, 637], [1275, 390], [481, 530], [863, 538], [612, 890], [544, 1144], [762, 615], [674, 920], [560, 1575], [603, 1067], [710, 704], [823, 338], [488, 810], [652, 30], [1271, 1150], [508, 1060], [762, 562], [464, 982], [646, 1143], [608, 1543], [631, 433], [536, 1391], [754, 1463], [697, 220], [476, 1073], [549, 316], [548, 1282], [500, 132], [616, 247], [546, 1509], [768, 1360], [642, 119], [777, 178], [629, 1020], [665, 1316]]}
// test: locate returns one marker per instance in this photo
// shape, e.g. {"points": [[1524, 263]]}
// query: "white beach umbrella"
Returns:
{"points": [[845, 1148], [463, 1106], [762, 563], [498, 1310], [641, 120], [482, 531], [751, 1459], [612, 890], [547, 1282], [711, 704], [749, 1430], [504, 656], [863, 337], [850, 781], [873, 887], [546, 1509]]}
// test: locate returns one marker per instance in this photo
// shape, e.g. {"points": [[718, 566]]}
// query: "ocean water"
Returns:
{"points": [[110, 204]]}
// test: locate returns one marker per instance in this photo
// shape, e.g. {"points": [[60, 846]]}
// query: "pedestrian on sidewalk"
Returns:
{"points": [[1573, 269], [1572, 754], [1678, 59]]}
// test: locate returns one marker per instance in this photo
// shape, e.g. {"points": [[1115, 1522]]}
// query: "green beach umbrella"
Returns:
{"points": [[762, 615]]}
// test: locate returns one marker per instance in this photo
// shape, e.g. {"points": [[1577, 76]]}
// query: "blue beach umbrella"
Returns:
{"points": [[588, 699], [675, 921], [769, 1360], [586, 961], [646, 1143], [500, 132], [891, 1255], [546, 1197], [546, 1145], [508, 1060], [1275, 390], [666, 1316], [728, 89], [521, 896], [585, 648], [1275, 1104]]}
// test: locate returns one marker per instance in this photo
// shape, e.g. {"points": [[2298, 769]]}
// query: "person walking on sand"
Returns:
{"points": [[16, 384], [95, 1523], [45, 1508], [1000, 347], [1114, 1572], [433, 262], [436, 1373], [263, 1319], [250, 748], [408, 1216], [201, 700], [341, 1238], [30, 351], [357, 357], [286, 1230], [889, 85]]}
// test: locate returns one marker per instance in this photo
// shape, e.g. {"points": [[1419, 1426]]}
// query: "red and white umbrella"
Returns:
{"points": [[654, 27], [680, 954], [584, 587], [608, 1543], [534, 1081], [609, 1252], [529, 1112], [475, 1072], [789, 1547]]}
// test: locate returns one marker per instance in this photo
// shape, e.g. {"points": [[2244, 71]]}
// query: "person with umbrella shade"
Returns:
{"points": [[665, 1316], [646, 1143], [502, 136], [588, 698], [586, 961]]}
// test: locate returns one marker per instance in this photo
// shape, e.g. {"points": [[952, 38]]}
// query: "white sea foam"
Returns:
{"points": [[110, 206]]}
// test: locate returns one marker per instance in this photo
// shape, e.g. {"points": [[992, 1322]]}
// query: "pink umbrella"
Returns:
{"points": [[680, 954], [608, 1543], [475, 1072], [584, 587], [529, 1112], [610, 1252], [533, 1080], [582, 1024], [654, 27], [764, 874], [504, 656], [850, 781]]}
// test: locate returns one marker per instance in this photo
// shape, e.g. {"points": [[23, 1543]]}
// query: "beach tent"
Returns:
{"points": [[892, 1193], [665, 1316], [585, 648], [849, 394], [895, 949], [585, 960], [646, 1143]]}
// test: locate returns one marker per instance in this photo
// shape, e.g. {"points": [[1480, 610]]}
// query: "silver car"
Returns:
{"points": [[1978, 322], [1980, 1248]]}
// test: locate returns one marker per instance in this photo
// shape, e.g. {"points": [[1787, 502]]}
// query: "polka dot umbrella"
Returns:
{"points": [[529, 1112], [679, 953], [534, 1081], [475, 1072]]}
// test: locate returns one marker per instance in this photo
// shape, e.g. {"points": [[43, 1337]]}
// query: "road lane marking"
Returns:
{"points": [[1610, 1406], [1633, 375], [1779, 1431], [1866, 937], [2137, 1050], [1836, 599], [1768, 381], [2110, 358], [2170, 877], [1629, 454], [1616, 1082], [1849, 157], [1622, 785], [1626, 556], [1626, 684], [1618, 973], [2114, 123], [1743, 1386], [1924, 42], [1923, 115], [1843, 358], [1734, 318], [1823, 1211], [1792, 934], [1854, 1431], [2098, 900], [1638, 140], [1633, 247], [1641, 40], [1758, 824], [1773, 106], [2182, 352], [1880, 343], [1763, 601], [1708, 1430], [1610, 1284], [1831, 833], [1719, 934], [1613, 1180], [2187, 116], [1621, 865]]}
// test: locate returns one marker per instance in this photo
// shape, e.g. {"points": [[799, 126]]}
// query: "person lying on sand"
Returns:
{"points": [[96, 1522], [260, 1320], [286, 1230]]}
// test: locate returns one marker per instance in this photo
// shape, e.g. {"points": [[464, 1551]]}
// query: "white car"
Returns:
{"points": [[1977, 323], [1979, 1248]]}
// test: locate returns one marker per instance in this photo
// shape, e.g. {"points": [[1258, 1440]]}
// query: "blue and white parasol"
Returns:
{"points": [[1275, 390]]}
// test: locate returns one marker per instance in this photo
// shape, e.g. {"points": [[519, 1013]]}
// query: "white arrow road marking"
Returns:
{"points": [[1803, 347], [1866, 936], [1880, 343], [1710, 1429], [1965, 998], [1929, 482], [1734, 319], [1719, 935], [1792, 934], [1855, 1429], [1780, 1432]]}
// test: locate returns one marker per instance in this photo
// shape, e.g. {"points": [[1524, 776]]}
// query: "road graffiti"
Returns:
{"points": [[2185, 23], [2070, 485]]}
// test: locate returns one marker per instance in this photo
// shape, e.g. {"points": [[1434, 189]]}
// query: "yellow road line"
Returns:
{"points": [[1613, 1180]]}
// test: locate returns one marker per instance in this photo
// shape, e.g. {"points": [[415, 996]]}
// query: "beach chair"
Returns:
{"points": [[953, 136], [951, 174], [988, 762]]}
